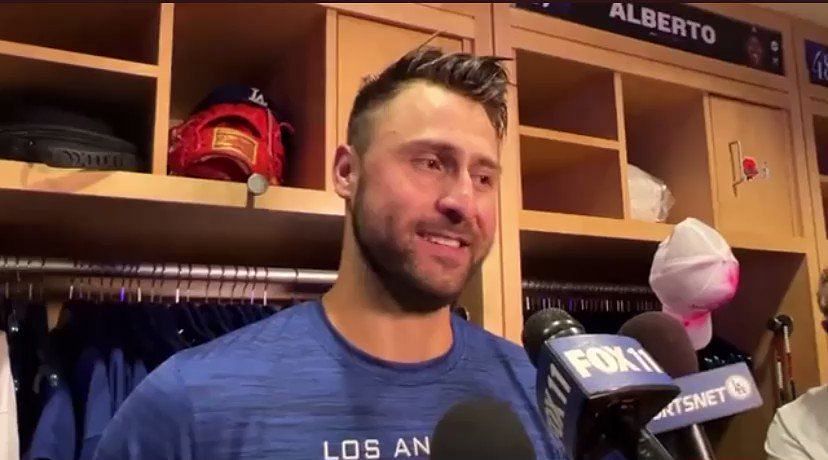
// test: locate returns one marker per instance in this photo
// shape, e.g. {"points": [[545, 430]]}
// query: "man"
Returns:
{"points": [[799, 430], [369, 371]]}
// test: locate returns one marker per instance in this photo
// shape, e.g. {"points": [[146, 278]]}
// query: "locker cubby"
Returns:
{"points": [[667, 138], [608, 264], [569, 174], [567, 96], [278, 48], [821, 139], [820, 124], [123, 101], [127, 30], [770, 283]]}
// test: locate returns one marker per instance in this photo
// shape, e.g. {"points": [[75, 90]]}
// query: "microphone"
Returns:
{"points": [[597, 391], [668, 343], [480, 429]]}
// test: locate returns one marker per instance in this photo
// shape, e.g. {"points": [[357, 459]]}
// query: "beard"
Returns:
{"points": [[394, 265]]}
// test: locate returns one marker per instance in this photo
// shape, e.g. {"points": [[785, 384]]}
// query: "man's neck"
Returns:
{"points": [[363, 312]]}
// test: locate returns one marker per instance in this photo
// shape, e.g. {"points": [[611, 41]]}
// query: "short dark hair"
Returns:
{"points": [[481, 78]]}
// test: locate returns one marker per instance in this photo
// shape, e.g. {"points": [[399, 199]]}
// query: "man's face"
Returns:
{"points": [[424, 209]]}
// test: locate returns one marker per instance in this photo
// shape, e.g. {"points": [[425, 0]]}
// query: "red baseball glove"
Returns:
{"points": [[229, 141]]}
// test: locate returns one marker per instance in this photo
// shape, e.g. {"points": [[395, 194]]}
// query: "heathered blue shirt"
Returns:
{"points": [[291, 387]]}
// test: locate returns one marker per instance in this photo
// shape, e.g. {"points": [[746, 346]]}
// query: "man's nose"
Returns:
{"points": [[457, 202]]}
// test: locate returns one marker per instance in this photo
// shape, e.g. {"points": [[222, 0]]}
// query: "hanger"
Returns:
{"points": [[163, 323], [198, 316], [189, 283], [188, 329], [178, 286], [239, 308], [215, 319], [251, 308]]}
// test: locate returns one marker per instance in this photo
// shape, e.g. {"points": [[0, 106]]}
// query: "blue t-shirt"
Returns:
{"points": [[291, 387]]}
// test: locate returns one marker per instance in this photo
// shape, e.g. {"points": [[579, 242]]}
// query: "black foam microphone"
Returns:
{"points": [[481, 429], [665, 339]]}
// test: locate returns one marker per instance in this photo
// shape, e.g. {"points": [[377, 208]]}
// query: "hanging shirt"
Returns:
{"points": [[291, 386], [91, 393], [799, 429], [118, 386], [136, 375], [55, 435], [9, 442]]}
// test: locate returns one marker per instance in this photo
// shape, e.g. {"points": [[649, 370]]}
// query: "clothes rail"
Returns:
{"points": [[557, 286], [166, 271]]}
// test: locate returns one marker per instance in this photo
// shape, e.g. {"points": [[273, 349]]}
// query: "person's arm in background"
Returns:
{"points": [[154, 422], [781, 445]]}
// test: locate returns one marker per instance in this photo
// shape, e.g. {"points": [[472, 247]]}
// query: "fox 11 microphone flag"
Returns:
{"points": [[572, 371]]}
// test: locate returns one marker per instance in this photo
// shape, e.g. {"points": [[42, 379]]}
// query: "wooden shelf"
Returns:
{"points": [[119, 30], [568, 138], [547, 233], [56, 56], [69, 213], [570, 173], [599, 227], [33, 177], [565, 95], [767, 243], [584, 248]]}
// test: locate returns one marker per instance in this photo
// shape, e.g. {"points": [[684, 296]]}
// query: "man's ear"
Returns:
{"points": [[346, 168]]}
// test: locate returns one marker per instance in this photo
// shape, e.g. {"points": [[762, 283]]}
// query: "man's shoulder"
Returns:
{"points": [[483, 342], [259, 342], [812, 403]]}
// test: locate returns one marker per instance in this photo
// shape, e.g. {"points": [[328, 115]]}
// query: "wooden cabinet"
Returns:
{"points": [[764, 205], [366, 47]]}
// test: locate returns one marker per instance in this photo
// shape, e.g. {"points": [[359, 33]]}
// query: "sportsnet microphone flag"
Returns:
{"points": [[707, 396]]}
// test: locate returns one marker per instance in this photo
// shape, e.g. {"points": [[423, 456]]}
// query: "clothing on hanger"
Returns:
{"points": [[9, 443], [601, 308], [106, 349]]}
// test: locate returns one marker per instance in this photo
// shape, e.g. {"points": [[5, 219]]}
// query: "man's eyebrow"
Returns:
{"points": [[429, 144], [489, 163], [446, 147]]}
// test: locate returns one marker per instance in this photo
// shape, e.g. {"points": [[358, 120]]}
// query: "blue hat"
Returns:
{"points": [[234, 94]]}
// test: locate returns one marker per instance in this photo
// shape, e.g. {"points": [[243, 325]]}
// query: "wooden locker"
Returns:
{"points": [[764, 205], [367, 47]]}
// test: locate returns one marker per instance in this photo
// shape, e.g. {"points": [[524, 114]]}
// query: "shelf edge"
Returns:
{"points": [[89, 61], [39, 178], [569, 138]]}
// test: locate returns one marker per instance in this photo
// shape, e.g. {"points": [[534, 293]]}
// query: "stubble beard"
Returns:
{"points": [[393, 265]]}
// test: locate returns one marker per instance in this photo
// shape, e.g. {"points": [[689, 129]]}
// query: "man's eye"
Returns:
{"points": [[431, 163], [484, 180]]}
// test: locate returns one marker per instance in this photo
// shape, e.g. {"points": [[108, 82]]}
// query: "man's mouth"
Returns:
{"points": [[451, 241]]}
